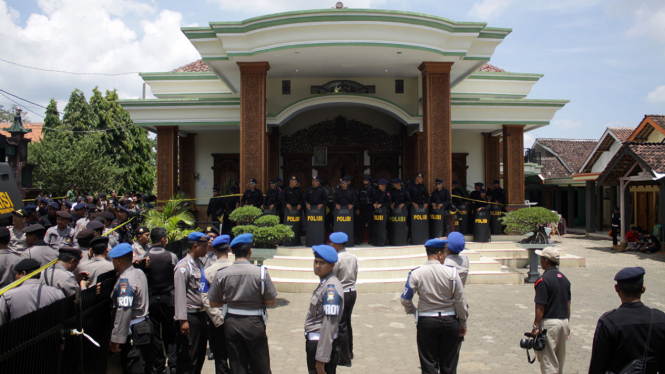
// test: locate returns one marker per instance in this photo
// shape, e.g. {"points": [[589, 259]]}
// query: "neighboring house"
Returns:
{"points": [[638, 169], [35, 135]]}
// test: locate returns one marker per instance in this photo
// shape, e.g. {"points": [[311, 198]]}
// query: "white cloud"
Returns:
{"points": [[565, 124], [88, 36], [657, 95], [277, 6], [489, 9], [649, 21]]}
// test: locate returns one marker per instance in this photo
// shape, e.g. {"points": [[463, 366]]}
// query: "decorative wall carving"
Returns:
{"points": [[342, 86]]}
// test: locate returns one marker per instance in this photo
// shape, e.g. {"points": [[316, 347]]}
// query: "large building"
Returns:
{"points": [[341, 91]]}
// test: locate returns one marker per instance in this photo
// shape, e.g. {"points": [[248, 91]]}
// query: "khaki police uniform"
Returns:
{"points": [[113, 237], [131, 329], [57, 238], [216, 320], [139, 250], [41, 252], [326, 311], [209, 259], [81, 223], [441, 311], [26, 298], [59, 277], [461, 262], [189, 308], [244, 326], [346, 270], [95, 267], [17, 240], [8, 260]]}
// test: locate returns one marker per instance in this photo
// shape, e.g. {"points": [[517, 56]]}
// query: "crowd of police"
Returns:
{"points": [[392, 212], [168, 310]]}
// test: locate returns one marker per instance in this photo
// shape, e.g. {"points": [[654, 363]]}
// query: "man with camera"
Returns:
{"points": [[632, 335], [552, 313]]}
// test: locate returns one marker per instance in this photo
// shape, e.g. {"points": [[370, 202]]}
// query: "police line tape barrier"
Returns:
{"points": [[486, 202], [200, 198], [119, 226], [52, 198], [20, 281]]}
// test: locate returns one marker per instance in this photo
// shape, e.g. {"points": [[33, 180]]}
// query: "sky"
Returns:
{"points": [[606, 56]]}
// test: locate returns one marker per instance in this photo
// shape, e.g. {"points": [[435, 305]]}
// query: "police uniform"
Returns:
{"points": [[160, 277], [346, 270], [215, 207], [8, 259], [59, 277], [441, 312], [40, 251], [497, 193], [457, 191], [441, 197], [252, 197], [383, 197], [97, 265], [189, 308], [246, 288], [215, 318], [616, 225], [326, 310], [231, 203], [17, 242], [553, 291], [273, 197], [80, 223], [131, 328], [139, 250], [291, 196], [28, 296], [57, 238], [621, 334], [400, 196], [418, 193], [108, 230], [345, 197], [125, 231], [365, 210]]}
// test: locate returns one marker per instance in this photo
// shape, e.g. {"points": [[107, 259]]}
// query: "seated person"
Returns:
{"points": [[652, 244], [632, 239]]}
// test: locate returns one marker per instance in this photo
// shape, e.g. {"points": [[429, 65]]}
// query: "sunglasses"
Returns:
{"points": [[252, 183], [272, 182]]}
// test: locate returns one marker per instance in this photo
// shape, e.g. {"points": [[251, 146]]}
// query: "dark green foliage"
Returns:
{"points": [[267, 231], [527, 220]]}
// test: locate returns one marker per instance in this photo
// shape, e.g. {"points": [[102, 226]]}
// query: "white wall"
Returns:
{"points": [[472, 143], [605, 158], [205, 144]]}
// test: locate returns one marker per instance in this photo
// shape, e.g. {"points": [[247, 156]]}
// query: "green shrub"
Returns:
{"points": [[526, 220], [244, 229], [268, 220], [245, 215]]}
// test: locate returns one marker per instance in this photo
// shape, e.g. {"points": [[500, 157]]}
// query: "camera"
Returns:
{"points": [[537, 344]]}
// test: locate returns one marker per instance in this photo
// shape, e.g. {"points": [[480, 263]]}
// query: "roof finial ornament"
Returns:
{"points": [[339, 5]]}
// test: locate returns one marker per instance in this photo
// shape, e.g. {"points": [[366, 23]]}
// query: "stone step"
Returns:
{"points": [[568, 261], [367, 253]]}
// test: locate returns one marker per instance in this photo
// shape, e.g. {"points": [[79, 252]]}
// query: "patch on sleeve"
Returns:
{"points": [[331, 301], [203, 285], [125, 294], [183, 270], [407, 294]]}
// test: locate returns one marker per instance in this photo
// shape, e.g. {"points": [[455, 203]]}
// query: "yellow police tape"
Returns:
{"points": [[480, 201], [53, 198], [20, 281], [200, 198], [119, 226]]}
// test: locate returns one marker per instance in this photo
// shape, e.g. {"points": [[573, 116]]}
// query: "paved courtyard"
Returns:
{"points": [[385, 337]]}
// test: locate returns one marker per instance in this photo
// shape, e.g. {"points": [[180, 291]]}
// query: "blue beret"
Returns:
{"points": [[339, 237], [293, 178], [326, 252], [222, 239], [437, 180], [53, 205], [346, 179], [242, 239], [456, 242], [30, 208], [198, 236], [397, 180], [120, 250], [79, 206], [630, 275], [383, 181], [436, 243]]}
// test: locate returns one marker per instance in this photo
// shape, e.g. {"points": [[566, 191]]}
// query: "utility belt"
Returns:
{"points": [[352, 289], [137, 320], [194, 311], [228, 311], [436, 314], [140, 333], [315, 336]]}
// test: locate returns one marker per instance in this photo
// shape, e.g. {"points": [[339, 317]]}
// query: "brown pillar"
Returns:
{"points": [[492, 159], [187, 164], [167, 153], [437, 160], [420, 141], [253, 140], [513, 163], [273, 153]]}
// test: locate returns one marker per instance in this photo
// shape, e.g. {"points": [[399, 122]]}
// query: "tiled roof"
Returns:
{"points": [[658, 119], [35, 135], [553, 168], [196, 66], [622, 133], [200, 66], [573, 152], [650, 123], [653, 154], [491, 68]]}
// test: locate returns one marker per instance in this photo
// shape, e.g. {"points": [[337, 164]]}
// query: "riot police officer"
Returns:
{"points": [[441, 199], [345, 196], [215, 206], [418, 193], [401, 199], [232, 202], [8, 259], [364, 210], [315, 195], [273, 198], [292, 196], [125, 231], [496, 192], [253, 196]]}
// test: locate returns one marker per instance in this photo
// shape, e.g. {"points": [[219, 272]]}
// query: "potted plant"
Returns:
{"points": [[531, 222], [267, 231], [178, 221]]}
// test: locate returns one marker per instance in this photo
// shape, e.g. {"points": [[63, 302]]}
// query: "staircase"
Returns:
{"points": [[384, 269]]}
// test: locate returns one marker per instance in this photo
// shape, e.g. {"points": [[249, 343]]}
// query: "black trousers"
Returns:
{"points": [[615, 233], [135, 352], [330, 367], [164, 336], [365, 218], [192, 348], [345, 331], [218, 347], [438, 342], [247, 344]]}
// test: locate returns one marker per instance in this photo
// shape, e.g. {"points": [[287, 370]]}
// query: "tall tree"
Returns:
{"points": [[52, 119], [78, 115]]}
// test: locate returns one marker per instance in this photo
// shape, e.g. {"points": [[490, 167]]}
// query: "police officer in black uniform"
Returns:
{"points": [[345, 196], [272, 200], [364, 209], [441, 199], [616, 225], [232, 202], [253, 196], [483, 203], [316, 196], [292, 196], [418, 193], [496, 192], [401, 198], [124, 232], [475, 194], [622, 334], [382, 197], [215, 206], [457, 191]]}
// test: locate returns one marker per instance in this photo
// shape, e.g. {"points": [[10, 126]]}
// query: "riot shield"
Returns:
{"points": [[495, 219], [316, 227], [462, 218], [436, 223], [379, 230], [293, 218], [344, 223], [397, 227], [481, 227], [419, 226]]}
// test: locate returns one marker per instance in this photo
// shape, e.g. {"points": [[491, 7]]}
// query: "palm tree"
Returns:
{"points": [[174, 217]]}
